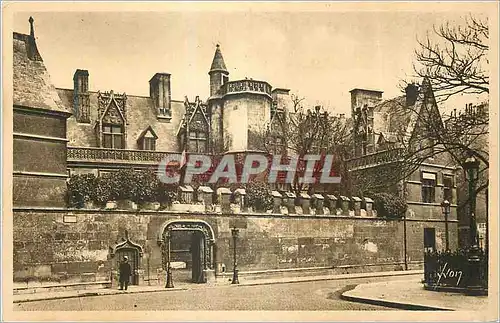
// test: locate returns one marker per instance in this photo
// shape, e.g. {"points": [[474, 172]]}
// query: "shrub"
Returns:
{"points": [[166, 193], [146, 186], [81, 189], [259, 195], [126, 184], [389, 205], [106, 188]]}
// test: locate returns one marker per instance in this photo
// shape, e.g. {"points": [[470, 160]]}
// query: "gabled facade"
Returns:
{"points": [[108, 130], [383, 131]]}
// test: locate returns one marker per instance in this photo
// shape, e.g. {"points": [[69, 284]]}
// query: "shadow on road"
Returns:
{"points": [[338, 293]]}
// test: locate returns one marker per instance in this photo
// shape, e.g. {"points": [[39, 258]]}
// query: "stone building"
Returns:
{"points": [[39, 129], [77, 130], [384, 131], [107, 130]]}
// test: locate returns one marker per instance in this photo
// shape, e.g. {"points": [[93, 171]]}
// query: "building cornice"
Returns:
{"points": [[38, 137]]}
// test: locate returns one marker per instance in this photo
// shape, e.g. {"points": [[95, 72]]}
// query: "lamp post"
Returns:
{"points": [[445, 206], [170, 283], [234, 233], [471, 166]]}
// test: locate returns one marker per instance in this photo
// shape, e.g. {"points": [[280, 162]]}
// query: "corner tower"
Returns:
{"points": [[218, 72]]}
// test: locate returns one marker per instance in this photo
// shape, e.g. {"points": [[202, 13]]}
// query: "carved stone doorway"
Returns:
{"points": [[201, 246], [134, 253]]}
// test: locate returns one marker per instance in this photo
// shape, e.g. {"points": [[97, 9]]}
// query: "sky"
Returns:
{"points": [[318, 55]]}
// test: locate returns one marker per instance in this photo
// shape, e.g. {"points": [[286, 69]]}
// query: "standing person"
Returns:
{"points": [[125, 272]]}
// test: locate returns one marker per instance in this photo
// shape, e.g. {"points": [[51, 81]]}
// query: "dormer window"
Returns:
{"points": [[147, 139], [113, 136], [149, 144], [198, 142]]}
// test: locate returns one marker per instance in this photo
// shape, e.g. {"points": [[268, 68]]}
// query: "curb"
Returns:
{"points": [[256, 283], [393, 304], [88, 294], [337, 277]]}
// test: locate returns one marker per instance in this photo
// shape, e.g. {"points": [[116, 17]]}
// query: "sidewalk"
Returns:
{"points": [[409, 294], [186, 286]]}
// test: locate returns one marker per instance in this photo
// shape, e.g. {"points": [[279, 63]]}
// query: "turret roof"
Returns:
{"points": [[218, 61]]}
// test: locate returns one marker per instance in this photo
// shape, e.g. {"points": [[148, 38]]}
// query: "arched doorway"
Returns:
{"points": [[201, 248], [134, 253]]}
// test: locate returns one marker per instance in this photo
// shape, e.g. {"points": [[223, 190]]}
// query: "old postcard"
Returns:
{"points": [[237, 161]]}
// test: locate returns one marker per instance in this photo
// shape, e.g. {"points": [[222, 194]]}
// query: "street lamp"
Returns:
{"points": [[234, 233], [471, 166], [445, 207], [170, 283]]}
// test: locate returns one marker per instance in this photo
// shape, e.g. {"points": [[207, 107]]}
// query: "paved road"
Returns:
{"points": [[307, 296]]}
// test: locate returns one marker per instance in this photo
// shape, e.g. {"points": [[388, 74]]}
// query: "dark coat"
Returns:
{"points": [[125, 271]]}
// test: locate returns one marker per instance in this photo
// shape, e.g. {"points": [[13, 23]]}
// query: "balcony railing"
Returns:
{"points": [[246, 86], [124, 155], [377, 158]]}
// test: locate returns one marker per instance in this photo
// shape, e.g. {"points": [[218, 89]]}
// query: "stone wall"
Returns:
{"points": [[61, 245], [242, 113], [39, 158]]}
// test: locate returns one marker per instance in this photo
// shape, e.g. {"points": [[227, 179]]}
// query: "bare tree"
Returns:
{"points": [[444, 139], [299, 131], [455, 58], [424, 135]]}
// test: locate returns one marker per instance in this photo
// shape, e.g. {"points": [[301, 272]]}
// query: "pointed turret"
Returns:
{"points": [[426, 85], [218, 64], [218, 72]]}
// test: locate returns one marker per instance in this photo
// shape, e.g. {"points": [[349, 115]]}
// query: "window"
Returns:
{"points": [[113, 137], [224, 79], [149, 143], [428, 187], [147, 139], [198, 142], [448, 188]]}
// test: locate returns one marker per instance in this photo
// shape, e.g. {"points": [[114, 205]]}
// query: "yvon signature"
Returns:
{"points": [[449, 273]]}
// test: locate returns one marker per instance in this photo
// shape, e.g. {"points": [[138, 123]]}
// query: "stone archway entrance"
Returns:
{"points": [[200, 245], [133, 251]]}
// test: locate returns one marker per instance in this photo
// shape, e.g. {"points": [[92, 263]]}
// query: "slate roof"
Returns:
{"points": [[218, 61], [32, 86], [140, 114], [396, 116]]}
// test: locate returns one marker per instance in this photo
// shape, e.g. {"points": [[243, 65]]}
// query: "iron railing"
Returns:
{"points": [[452, 269]]}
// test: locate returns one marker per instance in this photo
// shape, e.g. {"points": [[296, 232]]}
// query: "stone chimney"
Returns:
{"points": [[411, 91], [159, 91], [362, 97], [81, 98]]}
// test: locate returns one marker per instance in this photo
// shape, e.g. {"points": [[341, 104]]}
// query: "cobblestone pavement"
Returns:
{"points": [[303, 296]]}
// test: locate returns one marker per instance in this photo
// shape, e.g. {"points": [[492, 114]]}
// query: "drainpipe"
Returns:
{"points": [[404, 237], [486, 247], [404, 230]]}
